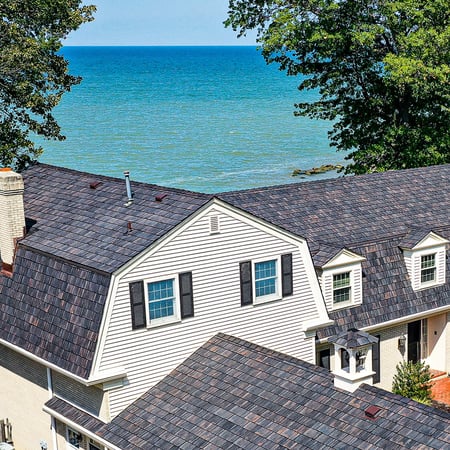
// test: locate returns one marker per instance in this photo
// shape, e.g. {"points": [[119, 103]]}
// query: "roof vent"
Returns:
{"points": [[214, 224], [160, 197], [372, 411], [128, 186], [95, 184]]}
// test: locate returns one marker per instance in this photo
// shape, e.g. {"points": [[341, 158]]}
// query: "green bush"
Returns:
{"points": [[412, 380]]}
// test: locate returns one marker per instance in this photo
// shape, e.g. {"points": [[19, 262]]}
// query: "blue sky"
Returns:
{"points": [[158, 22]]}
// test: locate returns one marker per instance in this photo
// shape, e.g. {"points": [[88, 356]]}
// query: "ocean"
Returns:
{"points": [[208, 119]]}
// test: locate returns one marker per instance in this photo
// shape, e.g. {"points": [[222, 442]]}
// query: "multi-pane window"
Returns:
{"points": [[265, 278], [74, 438], [428, 268], [161, 299], [341, 287]]}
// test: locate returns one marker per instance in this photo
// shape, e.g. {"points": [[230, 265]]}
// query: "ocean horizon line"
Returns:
{"points": [[163, 45]]}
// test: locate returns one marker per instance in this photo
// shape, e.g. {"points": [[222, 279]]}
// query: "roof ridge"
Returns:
{"points": [[334, 180], [284, 357], [117, 179]]}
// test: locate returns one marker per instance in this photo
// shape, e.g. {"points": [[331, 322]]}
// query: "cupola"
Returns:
{"points": [[353, 359]]}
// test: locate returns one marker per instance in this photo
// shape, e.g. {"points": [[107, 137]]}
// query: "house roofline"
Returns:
{"points": [[400, 320], [60, 417], [120, 373]]}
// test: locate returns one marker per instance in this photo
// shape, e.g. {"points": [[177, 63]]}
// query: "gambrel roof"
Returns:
{"points": [[79, 228], [237, 395], [79, 232], [372, 216]]}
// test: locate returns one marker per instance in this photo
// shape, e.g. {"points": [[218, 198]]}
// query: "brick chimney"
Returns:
{"points": [[12, 215]]}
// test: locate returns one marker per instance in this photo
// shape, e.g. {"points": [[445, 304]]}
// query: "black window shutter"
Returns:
{"points": [[186, 294], [137, 299], [246, 283], [376, 360], [286, 274]]}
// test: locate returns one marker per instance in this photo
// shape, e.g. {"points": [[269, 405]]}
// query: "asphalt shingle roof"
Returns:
{"points": [[52, 306], [349, 211], [73, 221], [78, 225], [232, 394], [373, 216], [53, 309]]}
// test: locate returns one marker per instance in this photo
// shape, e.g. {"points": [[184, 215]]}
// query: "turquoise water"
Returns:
{"points": [[202, 118]]}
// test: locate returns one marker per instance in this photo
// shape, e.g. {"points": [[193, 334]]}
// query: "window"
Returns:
{"points": [[323, 359], [341, 287], [161, 301], [74, 438], [94, 446], [267, 280], [428, 268]]}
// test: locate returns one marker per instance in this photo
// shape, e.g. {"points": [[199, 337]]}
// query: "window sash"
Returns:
{"points": [[265, 278], [428, 268], [341, 287], [161, 299]]}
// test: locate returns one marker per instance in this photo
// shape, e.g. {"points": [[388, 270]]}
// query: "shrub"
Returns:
{"points": [[412, 380]]}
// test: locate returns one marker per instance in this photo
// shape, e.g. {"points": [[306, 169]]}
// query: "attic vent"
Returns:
{"points": [[95, 184], [214, 225], [372, 411]]}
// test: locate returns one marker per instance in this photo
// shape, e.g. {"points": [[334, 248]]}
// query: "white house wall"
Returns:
{"points": [[149, 354], [437, 342]]}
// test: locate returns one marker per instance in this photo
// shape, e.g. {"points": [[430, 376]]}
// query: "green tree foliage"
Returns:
{"points": [[412, 380], [33, 76], [382, 69]]}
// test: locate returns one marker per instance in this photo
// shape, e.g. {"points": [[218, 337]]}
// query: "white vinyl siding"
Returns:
{"points": [[150, 354], [414, 260], [328, 285]]}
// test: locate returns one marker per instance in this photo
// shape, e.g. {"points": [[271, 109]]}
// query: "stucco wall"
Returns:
{"points": [[23, 391]]}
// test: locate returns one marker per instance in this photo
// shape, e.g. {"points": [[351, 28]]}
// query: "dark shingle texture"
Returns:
{"points": [[373, 216], [387, 290], [231, 394], [52, 306], [74, 414], [353, 210], [53, 309], [90, 226]]}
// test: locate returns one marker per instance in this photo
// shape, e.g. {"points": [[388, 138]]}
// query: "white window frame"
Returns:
{"points": [[350, 287], [432, 244], [422, 269], [95, 444], [176, 317], [270, 297], [71, 430]]}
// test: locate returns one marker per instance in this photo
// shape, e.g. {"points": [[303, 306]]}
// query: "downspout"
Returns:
{"points": [[52, 419]]}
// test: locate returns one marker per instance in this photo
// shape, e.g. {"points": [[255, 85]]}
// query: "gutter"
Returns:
{"points": [[107, 376], [79, 428], [399, 320]]}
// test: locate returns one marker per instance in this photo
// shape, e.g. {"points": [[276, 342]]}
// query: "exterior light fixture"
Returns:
{"points": [[402, 343]]}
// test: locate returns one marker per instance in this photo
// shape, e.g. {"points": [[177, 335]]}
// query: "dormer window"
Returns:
{"points": [[428, 268], [340, 277], [341, 287], [425, 256]]}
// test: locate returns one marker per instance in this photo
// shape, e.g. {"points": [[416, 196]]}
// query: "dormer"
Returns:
{"points": [[425, 256], [340, 276]]}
